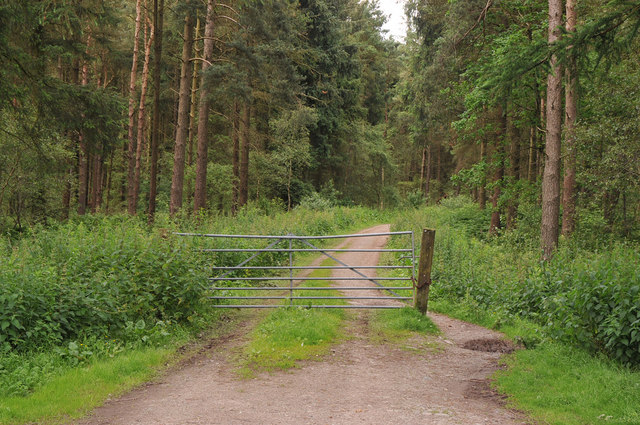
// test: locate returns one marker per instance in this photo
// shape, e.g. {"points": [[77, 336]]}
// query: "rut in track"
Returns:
{"points": [[435, 380]]}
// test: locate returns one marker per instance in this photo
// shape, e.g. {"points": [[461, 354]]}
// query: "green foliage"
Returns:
{"points": [[589, 298], [78, 281], [98, 287], [415, 199]]}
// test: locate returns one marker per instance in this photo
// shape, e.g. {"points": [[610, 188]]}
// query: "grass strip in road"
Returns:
{"points": [[76, 391], [403, 323], [562, 385], [291, 334]]}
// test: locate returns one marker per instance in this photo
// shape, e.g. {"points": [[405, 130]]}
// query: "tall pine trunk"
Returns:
{"points": [[200, 196], [235, 158], [184, 104], [551, 176], [193, 123], [83, 152], [571, 112], [482, 193], [134, 189], [245, 122], [131, 136], [427, 175], [495, 224], [158, 17], [514, 174]]}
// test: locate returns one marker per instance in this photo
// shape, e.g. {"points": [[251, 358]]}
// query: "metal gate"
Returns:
{"points": [[290, 244]]}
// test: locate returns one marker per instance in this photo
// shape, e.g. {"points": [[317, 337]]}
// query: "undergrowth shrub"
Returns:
{"points": [[588, 295], [98, 286], [75, 281]]}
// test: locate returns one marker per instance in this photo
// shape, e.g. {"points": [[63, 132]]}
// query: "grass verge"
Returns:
{"points": [[561, 385], [76, 391]]}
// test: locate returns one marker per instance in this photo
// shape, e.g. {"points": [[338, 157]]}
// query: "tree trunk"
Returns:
{"points": [[158, 11], [96, 185], [424, 159], [134, 190], [482, 193], [499, 174], [235, 158], [514, 174], [542, 135], [439, 165], [243, 196], [109, 181], [184, 104], [427, 184], [551, 176], [83, 153], [200, 196], [194, 88], [66, 195], [131, 162], [571, 113]]}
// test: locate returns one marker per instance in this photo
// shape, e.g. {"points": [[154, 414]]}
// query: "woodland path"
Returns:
{"points": [[426, 380]]}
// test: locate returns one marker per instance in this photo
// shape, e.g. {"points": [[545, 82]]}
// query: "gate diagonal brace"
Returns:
{"points": [[271, 245], [346, 265]]}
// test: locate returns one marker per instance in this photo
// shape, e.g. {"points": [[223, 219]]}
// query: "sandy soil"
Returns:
{"points": [[429, 380]]}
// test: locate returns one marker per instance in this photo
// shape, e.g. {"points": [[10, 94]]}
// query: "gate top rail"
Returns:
{"points": [[356, 235]]}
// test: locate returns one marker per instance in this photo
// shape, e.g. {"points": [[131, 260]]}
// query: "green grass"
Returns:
{"points": [[401, 326], [291, 334], [74, 392], [402, 323], [561, 385]]}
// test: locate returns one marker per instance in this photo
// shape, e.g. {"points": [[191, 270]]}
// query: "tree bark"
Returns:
{"points": [[194, 88], [131, 162], [184, 104], [551, 177], [424, 159], [235, 158], [499, 174], [134, 190], [427, 184], [514, 174], [158, 18], [245, 122], [571, 113], [83, 153], [482, 193], [96, 185], [200, 196]]}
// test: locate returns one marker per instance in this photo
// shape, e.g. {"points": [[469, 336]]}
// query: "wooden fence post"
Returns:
{"points": [[421, 293]]}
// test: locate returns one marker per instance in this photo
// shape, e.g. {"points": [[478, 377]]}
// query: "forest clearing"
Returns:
{"points": [[508, 126]]}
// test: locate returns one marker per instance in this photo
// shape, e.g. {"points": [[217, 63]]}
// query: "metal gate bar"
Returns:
{"points": [[270, 248], [309, 288]]}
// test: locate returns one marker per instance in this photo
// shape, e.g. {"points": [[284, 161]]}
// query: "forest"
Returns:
{"points": [[509, 126], [193, 107]]}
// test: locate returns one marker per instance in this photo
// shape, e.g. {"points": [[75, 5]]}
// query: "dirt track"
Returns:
{"points": [[431, 380]]}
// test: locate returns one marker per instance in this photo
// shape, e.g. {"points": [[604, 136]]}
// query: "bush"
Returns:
{"points": [[587, 297], [75, 281]]}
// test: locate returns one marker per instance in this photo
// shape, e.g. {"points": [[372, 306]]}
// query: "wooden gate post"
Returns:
{"points": [[421, 292]]}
